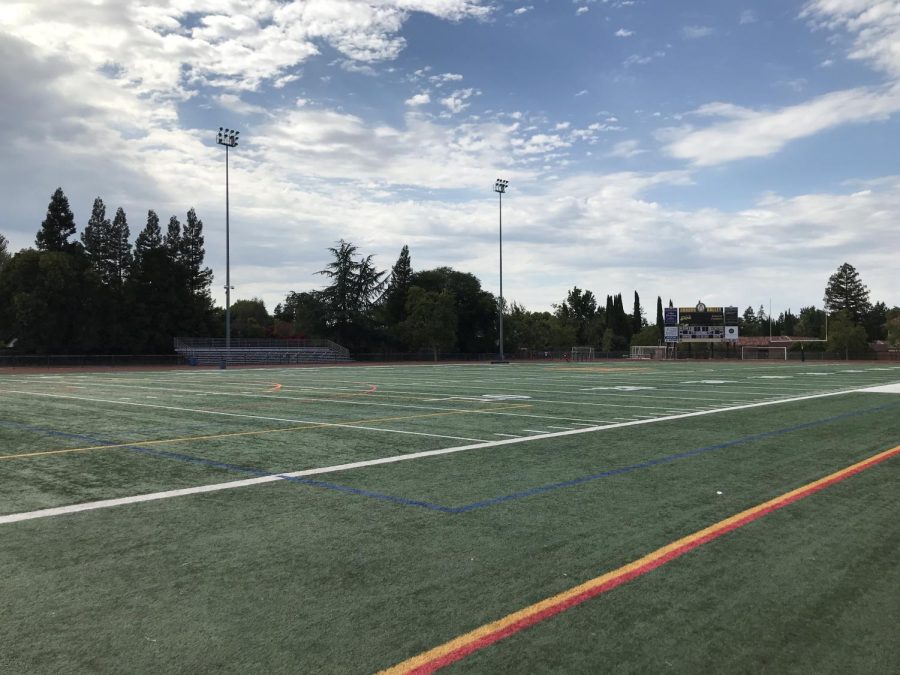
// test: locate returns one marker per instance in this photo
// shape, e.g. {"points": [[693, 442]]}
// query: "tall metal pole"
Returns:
{"points": [[500, 203], [227, 266], [500, 187], [228, 138]]}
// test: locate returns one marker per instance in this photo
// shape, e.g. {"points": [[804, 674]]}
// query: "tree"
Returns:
{"points": [[192, 254], [249, 319], [103, 244], [58, 225], [875, 321], [845, 291], [892, 327], [431, 319], [5, 256], [306, 312], [845, 336], [120, 249], [660, 323], [476, 309], [354, 288], [637, 321], [172, 240], [397, 288], [749, 325], [149, 239]]}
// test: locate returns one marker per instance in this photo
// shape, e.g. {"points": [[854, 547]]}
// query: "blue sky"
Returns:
{"points": [[726, 151]]}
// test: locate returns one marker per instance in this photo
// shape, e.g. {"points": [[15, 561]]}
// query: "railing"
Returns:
{"points": [[238, 344]]}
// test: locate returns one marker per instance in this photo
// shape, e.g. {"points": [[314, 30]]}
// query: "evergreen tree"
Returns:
{"points": [[397, 289], [172, 240], [845, 291], [96, 240], [58, 225], [636, 320], [192, 253], [120, 248], [4, 254], [149, 239], [660, 323]]}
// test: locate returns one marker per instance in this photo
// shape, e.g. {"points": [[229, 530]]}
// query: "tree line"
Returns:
{"points": [[101, 294]]}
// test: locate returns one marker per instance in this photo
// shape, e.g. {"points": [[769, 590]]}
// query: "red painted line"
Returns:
{"points": [[459, 648]]}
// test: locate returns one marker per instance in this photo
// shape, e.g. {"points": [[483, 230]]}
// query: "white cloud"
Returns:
{"points": [[626, 149], [443, 78], [419, 99], [581, 10], [581, 93], [523, 10], [875, 24], [747, 16], [458, 100], [696, 32], [750, 133], [623, 32]]}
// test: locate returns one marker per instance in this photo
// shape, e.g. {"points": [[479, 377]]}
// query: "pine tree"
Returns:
{"points": [[846, 291], [172, 240], [96, 240], [398, 288], [119, 248], [192, 253], [4, 254], [149, 239], [58, 225]]}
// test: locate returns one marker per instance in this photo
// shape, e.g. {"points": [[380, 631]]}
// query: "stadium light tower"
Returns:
{"points": [[500, 187], [228, 138]]}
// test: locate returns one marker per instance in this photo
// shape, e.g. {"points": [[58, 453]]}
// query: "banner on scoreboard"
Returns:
{"points": [[731, 332], [671, 334]]}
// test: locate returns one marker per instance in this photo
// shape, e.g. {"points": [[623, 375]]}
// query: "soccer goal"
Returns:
{"points": [[648, 352], [749, 353], [582, 353]]}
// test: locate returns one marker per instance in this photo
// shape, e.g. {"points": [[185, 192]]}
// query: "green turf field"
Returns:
{"points": [[345, 519]]}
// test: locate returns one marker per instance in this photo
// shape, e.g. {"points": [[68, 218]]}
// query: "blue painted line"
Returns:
{"points": [[667, 459], [164, 454]]}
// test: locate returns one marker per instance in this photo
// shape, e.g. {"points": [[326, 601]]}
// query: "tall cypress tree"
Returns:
{"points": [[659, 317], [172, 241], [58, 225], [636, 323], [398, 287]]}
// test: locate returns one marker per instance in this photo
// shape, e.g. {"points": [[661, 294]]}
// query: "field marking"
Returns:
{"points": [[488, 634], [244, 415], [207, 437], [107, 503]]}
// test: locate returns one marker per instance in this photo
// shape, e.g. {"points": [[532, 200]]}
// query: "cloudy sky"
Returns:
{"points": [[726, 151]]}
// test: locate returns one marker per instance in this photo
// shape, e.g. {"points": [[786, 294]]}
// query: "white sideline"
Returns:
{"points": [[107, 503]]}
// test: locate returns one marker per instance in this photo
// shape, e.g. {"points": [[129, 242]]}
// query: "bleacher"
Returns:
{"points": [[259, 352]]}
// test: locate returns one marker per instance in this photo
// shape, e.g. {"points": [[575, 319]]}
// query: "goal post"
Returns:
{"points": [[649, 352], [582, 353], [750, 353]]}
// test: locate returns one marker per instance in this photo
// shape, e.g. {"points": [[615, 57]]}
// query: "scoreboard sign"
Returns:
{"points": [[701, 315], [706, 324]]}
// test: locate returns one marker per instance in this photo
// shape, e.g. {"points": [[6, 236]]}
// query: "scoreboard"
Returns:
{"points": [[700, 323]]}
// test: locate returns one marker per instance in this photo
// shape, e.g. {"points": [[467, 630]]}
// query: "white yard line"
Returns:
{"points": [[243, 415], [108, 503]]}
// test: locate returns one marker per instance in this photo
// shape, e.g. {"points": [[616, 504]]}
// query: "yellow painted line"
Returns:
{"points": [[488, 634], [303, 427]]}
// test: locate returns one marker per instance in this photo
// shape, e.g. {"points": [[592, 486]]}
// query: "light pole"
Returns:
{"points": [[228, 138], [500, 187]]}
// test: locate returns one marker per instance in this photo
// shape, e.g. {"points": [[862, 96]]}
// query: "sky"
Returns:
{"points": [[731, 152]]}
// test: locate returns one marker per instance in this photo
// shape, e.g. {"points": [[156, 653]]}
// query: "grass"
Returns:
{"points": [[358, 570]]}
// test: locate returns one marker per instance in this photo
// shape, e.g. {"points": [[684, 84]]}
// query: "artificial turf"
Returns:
{"points": [[292, 576]]}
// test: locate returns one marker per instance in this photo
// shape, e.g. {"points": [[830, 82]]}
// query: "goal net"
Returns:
{"points": [[749, 353], [647, 352], [582, 353]]}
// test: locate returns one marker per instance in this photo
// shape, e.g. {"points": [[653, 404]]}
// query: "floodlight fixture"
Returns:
{"points": [[500, 185]]}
